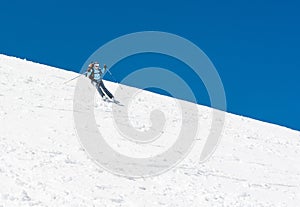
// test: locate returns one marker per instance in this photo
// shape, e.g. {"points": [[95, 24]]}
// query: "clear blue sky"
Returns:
{"points": [[254, 44]]}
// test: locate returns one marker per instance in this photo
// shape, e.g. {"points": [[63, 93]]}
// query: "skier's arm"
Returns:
{"points": [[87, 74], [104, 69], [89, 70]]}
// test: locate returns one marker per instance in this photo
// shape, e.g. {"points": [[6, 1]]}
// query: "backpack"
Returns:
{"points": [[91, 68]]}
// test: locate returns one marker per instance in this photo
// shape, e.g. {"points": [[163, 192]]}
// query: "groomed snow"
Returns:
{"points": [[42, 162]]}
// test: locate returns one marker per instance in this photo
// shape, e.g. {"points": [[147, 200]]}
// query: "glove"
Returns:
{"points": [[104, 66]]}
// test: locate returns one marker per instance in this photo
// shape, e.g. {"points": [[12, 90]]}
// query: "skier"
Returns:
{"points": [[95, 73]]}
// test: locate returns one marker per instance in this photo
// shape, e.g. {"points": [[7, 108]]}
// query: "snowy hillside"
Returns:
{"points": [[43, 163]]}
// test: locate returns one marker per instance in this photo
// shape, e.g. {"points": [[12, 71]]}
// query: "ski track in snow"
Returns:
{"points": [[42, 162]]}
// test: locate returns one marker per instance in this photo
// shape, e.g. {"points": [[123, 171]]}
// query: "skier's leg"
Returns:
{"points": [[105, 89], [99, 90]]}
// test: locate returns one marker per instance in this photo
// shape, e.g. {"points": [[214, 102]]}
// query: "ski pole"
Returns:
{"points": [[74, 78], [114, 79]]}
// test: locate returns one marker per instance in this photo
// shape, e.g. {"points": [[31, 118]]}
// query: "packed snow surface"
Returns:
{"points": [[42, 162]]}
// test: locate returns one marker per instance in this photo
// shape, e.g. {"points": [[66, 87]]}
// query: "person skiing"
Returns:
{"points": [[95, 73]]}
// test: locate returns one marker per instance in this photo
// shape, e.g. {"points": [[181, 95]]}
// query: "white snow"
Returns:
{"points": [[42, 162]]}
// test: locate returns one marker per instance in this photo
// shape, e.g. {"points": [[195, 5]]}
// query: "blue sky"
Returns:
{"points": [[254, 45]]}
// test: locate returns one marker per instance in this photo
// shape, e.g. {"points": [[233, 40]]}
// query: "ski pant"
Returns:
{"points": [[100, 85]]}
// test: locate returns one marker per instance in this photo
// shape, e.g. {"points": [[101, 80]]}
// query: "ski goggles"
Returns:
{"points": [[96, 65]]}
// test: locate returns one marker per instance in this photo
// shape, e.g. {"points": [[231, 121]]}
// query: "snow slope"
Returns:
{"points": [[42, 162]]}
